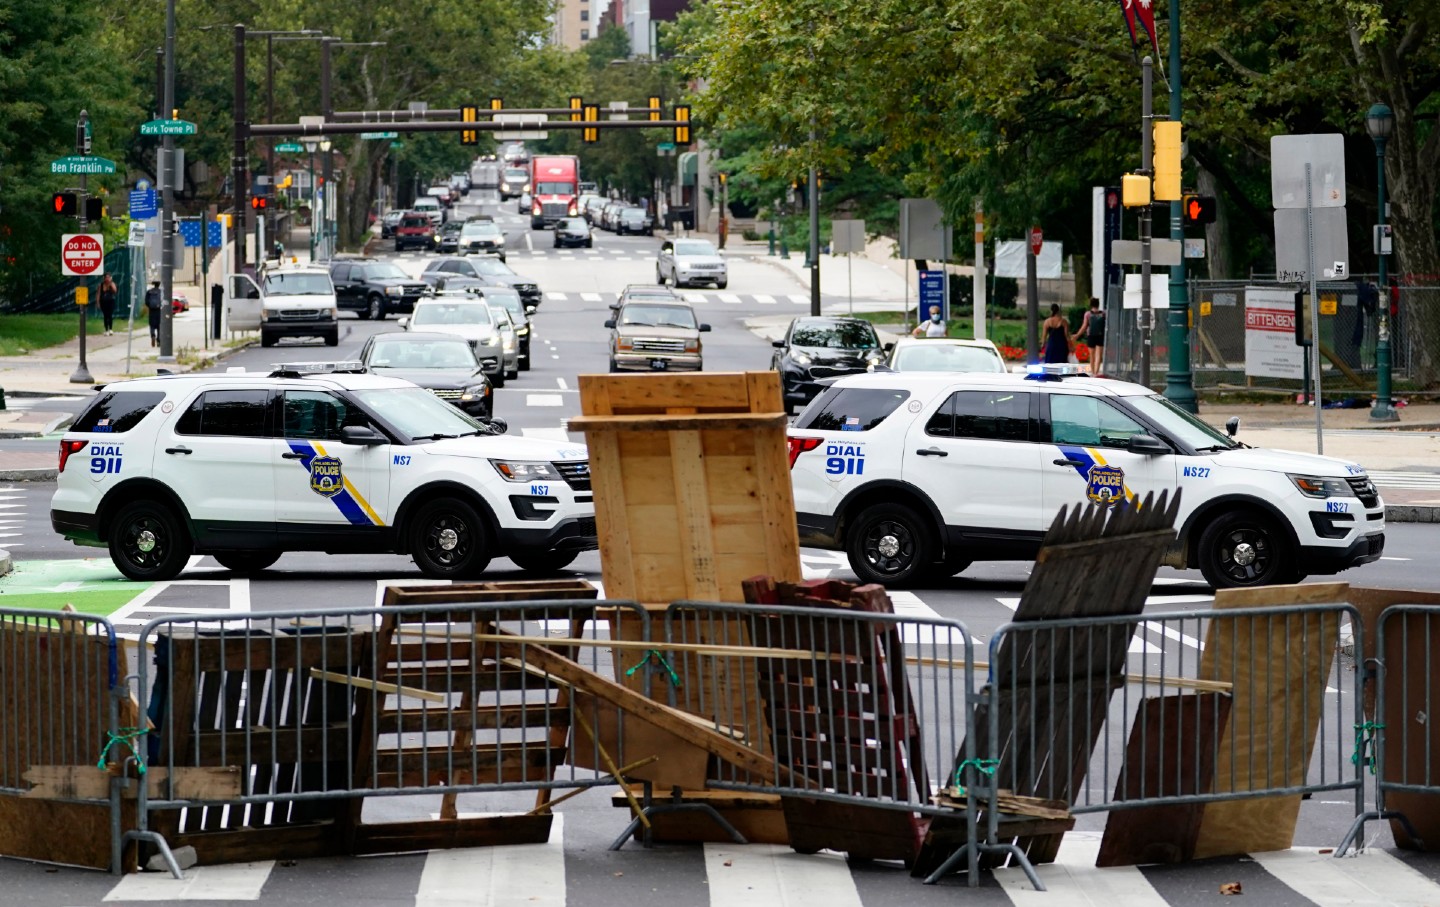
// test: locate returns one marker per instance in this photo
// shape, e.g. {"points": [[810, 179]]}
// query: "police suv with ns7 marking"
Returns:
{"points": [[312, 457], [915, 476]]}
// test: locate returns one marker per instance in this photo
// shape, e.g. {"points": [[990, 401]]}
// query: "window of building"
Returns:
{"points": [[584, 15], [584, 34]]}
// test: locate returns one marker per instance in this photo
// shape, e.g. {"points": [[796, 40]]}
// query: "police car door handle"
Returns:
{"points": [[292, 455], [932, 452], [1067, 462], [178, 450]]}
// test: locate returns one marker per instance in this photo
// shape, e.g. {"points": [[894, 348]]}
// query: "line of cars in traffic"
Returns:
{"points": [[618, 217]]}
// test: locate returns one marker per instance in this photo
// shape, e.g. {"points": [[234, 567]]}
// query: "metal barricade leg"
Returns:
{"points": [[973, 850], [651, 809]]}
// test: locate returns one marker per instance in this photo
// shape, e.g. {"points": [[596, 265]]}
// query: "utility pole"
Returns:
{"points": [[328, 179], [167, 196], [814, 192], [81, 375], [238, 162], [1147, 137], [1180, 381]]}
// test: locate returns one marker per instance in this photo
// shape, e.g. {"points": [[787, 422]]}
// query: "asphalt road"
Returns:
{"points": [[570, 340]]}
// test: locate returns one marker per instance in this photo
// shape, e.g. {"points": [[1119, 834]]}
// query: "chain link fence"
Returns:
{"points": [[1349, 330]]}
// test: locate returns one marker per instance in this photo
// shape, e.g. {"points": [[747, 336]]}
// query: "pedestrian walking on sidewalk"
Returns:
{"points": [[1057, 337], [154, 302], [935, 327], [1092, 331], [108, 292]]}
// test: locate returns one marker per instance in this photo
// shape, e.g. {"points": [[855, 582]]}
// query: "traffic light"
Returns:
{"points": [[1198, 209], [682, 131], [577, 104], [469, 114], [94, 208], [1134, 190], [64, 203], [1167, 161], [591, 134], [655, 109], [258, 202]]}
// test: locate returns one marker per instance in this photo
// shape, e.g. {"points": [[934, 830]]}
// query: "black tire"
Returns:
{"points": [[953, 563], [448, 540], [497, 380], [1245, 548], [552, 561], [246, 561], [267, 341], [149, 542], [363, 313], [721, 284], [375, 307], [888, 544], [589, 243], [659, 278], [513, 374], [333, 338], [613, 366]]}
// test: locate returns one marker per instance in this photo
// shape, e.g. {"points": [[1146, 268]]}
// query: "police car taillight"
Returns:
{"points": [[799, 446], [68, 447]]}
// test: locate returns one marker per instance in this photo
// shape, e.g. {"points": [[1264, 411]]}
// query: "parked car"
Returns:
{"points": [[523, 206], [608, 214], [482, 235], [590, 207], [415, 231], [822, 347], [509, 338], [430, 206], [573, 231], [634, 220], [655, 336], [373, 288], [443, 364], [689, 262], [179, 302], [463, 316], [448, 239], [388, 222], [938, 354]]}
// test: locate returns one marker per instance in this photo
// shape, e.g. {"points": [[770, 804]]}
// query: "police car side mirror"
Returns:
{"points": [[361, 434], [1149, 445], [1232, 425], [403, 322]]}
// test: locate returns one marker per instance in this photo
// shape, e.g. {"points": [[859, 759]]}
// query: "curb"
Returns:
{"points": [[6, 564], [1412, 513], [38, 474]]}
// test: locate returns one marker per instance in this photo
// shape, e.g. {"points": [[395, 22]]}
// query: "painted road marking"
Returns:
{"points": [[776, 876], [515, 874], [230, 882]]}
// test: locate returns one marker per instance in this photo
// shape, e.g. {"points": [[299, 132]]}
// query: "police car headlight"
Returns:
{"points": [[526, 470], [1321, 487], [800, 358], [475, 392]]}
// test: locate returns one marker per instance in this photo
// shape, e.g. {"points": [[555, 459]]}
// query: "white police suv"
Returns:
{"points": [[915, 476], [243, 466]]}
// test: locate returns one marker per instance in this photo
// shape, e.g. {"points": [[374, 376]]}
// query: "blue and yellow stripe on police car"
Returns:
{"points": [[1085, 457], [351, 503]]}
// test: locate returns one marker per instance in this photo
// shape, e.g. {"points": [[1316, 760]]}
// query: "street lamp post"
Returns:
{"points": [[1380, 122], [310, 145]]}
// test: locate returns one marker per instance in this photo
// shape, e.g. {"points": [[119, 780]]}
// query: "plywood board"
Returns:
{"points": [[1279, 667]]}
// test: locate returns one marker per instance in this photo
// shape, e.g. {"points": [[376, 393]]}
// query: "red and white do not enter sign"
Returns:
{"points": [[1037, 240], [82, 254]]}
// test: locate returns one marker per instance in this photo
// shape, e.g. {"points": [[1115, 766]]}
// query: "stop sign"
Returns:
{"points": [[82, 254], [1037, 240]]}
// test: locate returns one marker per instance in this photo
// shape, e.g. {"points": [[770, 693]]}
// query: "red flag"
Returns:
{"points": [[1144, 10]]}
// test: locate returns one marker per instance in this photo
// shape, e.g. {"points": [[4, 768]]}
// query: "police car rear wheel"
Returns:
{"points": [[952, 564], [887, 545], [246, 561], [449, 540], [148, 542], [543, 561], [1244, 549]]}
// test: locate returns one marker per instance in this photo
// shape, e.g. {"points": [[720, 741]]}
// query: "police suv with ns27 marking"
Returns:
{"points": [[917, 475], [312, 457]]}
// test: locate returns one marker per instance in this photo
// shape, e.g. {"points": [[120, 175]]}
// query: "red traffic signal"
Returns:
{"points": [[1198, 209], [64, 203], [258, 202]]}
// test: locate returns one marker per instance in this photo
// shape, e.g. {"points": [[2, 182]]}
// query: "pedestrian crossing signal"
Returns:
{"points": [[682, 130], [64, 203], [258, 202], [1199, 209], [470, 114], [94, 208], [591, 134]]}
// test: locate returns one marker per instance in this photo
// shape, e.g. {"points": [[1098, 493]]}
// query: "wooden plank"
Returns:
{"points": [[864, 832], [760, 818], [377, 686], [268, 745], [698, 569], [511, 716], [496, 591], [690, 422], [58, 831], [1280, 667], [607, 478], [86, 782], [487, 831], [724, 392], [1171, 752], [1299, 594], [255, 844]]}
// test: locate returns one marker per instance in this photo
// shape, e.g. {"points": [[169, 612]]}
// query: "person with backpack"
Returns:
{"points": [[108, 293], [154, 305], [1092, 331]]}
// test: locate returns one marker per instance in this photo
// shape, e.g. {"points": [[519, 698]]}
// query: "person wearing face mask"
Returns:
{"points": [[934, 327]]}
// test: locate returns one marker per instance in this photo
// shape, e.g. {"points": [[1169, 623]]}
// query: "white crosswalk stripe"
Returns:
{"points": [[797, 299], [1425, 481], [1073, 879], [776, 876], [763, 299], [1372, 878], [530, 874], [228, 882]]}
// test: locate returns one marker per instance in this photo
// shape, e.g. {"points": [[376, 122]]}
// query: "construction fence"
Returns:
{"points": [[1349, 330], [883, 735]]}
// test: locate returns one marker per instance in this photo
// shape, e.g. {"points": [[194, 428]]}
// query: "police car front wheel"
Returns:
{"points": [[543, 561], [148, 542], [449, 540], [888, 545], [1245, 549], [246, 561]]}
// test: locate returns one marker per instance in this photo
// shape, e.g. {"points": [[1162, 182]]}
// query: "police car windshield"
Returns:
{"points": [[298, 284], [946, 357], [1181, 426], [418, 414]]}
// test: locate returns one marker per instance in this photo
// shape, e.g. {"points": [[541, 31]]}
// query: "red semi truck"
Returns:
{"points": [[554, 190]]}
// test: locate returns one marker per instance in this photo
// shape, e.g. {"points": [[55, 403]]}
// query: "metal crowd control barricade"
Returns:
{"points": [[1401, 744], [272, 728], [65, 739], [1194, 729], [862, 713]]}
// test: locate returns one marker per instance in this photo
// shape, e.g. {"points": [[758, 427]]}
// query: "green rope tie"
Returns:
{"points": [[653, 655], [126, 738], [1364, 744], [983, 766]]}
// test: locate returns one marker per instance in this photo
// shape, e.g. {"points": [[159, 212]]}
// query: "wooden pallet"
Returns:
{"points": [[1055, 690]]}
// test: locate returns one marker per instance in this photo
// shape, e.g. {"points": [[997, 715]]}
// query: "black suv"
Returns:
{"points": [[373, 288], [817, 348]]}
